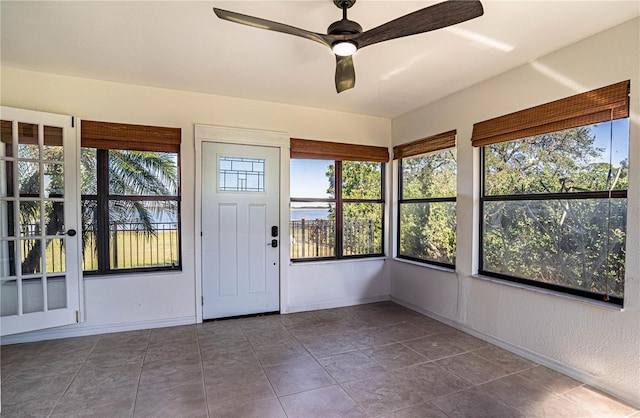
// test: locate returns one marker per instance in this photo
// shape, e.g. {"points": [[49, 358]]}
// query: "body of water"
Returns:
{"points": [[307, 213]]}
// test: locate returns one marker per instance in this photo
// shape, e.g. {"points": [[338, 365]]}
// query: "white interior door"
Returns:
{"points": [[240, 229], [39, 257]]}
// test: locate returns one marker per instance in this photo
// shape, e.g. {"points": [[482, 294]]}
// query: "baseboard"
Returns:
{"points": [[337, 304], [81, 331], [560, 367]]}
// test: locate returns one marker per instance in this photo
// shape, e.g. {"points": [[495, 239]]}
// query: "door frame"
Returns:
{"points": [[237, 136], [71, 159]]}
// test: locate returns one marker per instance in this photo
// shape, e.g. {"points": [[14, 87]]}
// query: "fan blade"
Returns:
{"points": [[259, 23], [424, 20], [345, 73]]}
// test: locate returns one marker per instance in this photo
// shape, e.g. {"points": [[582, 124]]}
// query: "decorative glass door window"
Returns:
{"points": [[240, 174]]}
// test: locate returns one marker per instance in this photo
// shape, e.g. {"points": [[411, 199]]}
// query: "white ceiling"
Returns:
{"points": [[182, 45]]}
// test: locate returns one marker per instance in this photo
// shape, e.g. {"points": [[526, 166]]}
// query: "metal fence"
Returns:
{"points": [[132, 246], [316, 238]]}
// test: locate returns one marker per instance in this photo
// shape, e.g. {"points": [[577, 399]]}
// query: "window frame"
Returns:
{"points": [[435, 143], [605, 194], [106, 136], [402, 200], [604, 104], [338, 200]]}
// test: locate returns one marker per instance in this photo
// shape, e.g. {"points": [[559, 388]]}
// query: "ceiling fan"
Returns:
{"points": [[345, 36]]}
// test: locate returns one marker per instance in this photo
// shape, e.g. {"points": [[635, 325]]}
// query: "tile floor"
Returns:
{"points": [[370, 360]]}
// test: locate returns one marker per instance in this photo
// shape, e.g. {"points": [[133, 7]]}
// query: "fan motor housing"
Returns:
{"points": [[344, 27], [344, 4]]}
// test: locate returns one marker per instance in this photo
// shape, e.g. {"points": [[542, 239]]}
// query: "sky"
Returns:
{"points": [[308, 178], [620, 130]]}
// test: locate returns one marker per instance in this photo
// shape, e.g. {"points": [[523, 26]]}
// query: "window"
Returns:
{"points": [[554, 203], [337, 205], [427, 200], [130, 198]]}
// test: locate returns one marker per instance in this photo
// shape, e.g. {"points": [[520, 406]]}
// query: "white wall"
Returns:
{"points": [[597, 344], [146, 300]]}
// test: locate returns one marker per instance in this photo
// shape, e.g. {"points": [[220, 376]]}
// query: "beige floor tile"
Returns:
{"points": [[114, 404], [261, 338], [220, 329], [505, 360], [471, 368], [404, 331], [281, 353], [430, 326], [165, 400], [465, 341], [161, 372], [231, 363], [173, 352], [370, 338], [138, 338], [71, 344], [390, 362], [518, 392], [473, 403], [328, 345], [599, 403], [382, 394], [212, 345], [44, 389], [434, 347], [430, 380], [108, 356], [423, 410], [186, 334], [265, 408], [92, 380], [237, 387], [550, 379], [34, 408], [395, 356], [330, 401], [354, 365], [263, 323], [297, 376], [559, 407]]}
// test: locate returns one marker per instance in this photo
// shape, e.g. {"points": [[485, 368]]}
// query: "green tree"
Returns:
{"points": [[362, 221], [428, 229], [574, 243], [130, 173]]}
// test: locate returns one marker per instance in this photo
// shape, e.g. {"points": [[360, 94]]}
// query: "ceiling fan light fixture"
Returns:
{"points": [[344, 48]]}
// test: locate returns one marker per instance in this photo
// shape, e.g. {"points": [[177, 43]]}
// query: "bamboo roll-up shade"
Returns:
{"points": [[28, 134], [600, 105], [323, 150], [107, 135], [422, 146]]}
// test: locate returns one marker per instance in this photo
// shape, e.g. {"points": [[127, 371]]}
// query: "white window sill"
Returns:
{"points": [[131, 275], [600, 304], [425, 265], [337, 261]]}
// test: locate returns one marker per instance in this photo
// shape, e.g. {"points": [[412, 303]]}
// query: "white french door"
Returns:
{"points": [[240, 229], [39, 237]]}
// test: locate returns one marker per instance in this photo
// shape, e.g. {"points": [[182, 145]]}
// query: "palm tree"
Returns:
{"points": [[131, 173]]}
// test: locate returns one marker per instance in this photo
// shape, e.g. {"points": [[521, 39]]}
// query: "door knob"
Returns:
{"points": [[71, 232]]}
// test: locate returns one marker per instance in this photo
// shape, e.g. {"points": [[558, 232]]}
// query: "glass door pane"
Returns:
{"points": [[39, 273]]}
